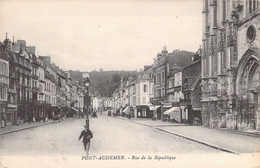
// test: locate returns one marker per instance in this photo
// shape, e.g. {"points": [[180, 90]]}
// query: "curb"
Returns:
{"points": [[148, 125], [200, 141], [21, 129]]}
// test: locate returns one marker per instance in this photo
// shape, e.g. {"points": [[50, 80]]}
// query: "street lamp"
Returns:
{"points": [[86, 99]]}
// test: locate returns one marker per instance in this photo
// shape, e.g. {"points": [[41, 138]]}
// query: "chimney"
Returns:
{"points": [[7, 43], [164, 51]]}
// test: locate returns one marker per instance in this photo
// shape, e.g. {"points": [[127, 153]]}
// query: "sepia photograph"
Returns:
{"points": [[129, 83]]}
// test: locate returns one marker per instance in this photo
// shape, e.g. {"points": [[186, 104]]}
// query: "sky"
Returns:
{"points": [[109, 34]]}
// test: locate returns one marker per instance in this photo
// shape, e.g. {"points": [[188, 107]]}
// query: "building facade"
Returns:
{"points": [[144, 92], [4, 84], [230, 64]]}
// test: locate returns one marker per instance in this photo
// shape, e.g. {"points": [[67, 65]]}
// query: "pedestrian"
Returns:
{"points": [[87, 135]]}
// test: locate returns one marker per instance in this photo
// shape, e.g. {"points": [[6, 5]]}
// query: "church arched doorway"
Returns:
{"points": [[248, 91]]}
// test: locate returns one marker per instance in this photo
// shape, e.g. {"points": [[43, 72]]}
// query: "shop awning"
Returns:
{"points": [[167, 105], [127, 110], [74, 109], [173, 109], [154, 107]]}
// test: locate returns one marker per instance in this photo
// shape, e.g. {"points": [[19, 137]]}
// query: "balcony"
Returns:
{"points": [[156, 100], [11, 90], [4, 79], [34, 76], [170, 91], [35, 89], [41, 102]]}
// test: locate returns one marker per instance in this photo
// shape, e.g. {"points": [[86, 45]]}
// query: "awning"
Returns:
{"points": [[173, 109], [154, 107], [174, 113], [167, 105], [74, 109], [127, 110]]}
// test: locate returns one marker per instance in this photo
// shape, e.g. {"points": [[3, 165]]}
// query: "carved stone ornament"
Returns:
{"points": [[230, 37], [211, 47], [221, 40]]}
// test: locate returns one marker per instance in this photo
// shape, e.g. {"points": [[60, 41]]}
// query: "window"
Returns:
{"points": [[154, 77], [163, 75], [163, 92], [23, 80], [145, 88], [251, 33], [159, 77], [3, 92], [253, 5], [23, 94], [159, 92], [3, 69], [224, 10]]}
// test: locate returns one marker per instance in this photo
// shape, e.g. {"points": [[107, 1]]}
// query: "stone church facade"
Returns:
{"points": [[230, 64]]}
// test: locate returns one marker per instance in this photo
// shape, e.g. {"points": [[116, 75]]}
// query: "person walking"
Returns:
{"points": [[87, 135]]}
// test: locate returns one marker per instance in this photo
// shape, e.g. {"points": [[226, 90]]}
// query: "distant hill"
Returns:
{"points": [[180, 58], [103, 83]]}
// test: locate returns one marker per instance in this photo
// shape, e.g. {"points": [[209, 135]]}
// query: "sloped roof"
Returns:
{"points": [[193, 85], [3, 53]]}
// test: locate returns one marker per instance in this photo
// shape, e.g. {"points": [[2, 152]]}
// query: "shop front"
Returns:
{"points": [[3, 113], [173, 115], [156, 110], [11, 114], [143, 111]]}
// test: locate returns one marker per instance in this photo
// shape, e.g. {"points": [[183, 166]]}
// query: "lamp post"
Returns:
{"points": [[86, 99]]}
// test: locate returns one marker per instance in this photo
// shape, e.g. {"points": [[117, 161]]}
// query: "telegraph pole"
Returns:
{"points": [[86, 82]]}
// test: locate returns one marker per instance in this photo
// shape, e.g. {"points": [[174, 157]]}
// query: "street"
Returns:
{"points": [[111, 136], [57, 145]]}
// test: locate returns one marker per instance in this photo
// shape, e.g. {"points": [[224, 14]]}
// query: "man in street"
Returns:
{"points": [[87, 135]]}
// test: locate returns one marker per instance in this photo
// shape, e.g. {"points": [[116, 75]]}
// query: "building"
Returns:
{"points": [[61, 90], [144, 92], [35, 83], [132, 96], [190, 104], [107, 103], [161, 72], [230, 64], [50, 78], [23, 68], [4, 85], [41, 85]]}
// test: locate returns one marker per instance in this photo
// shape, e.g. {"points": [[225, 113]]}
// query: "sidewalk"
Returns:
{"points": [[226, 140], [15, 128], [150, 122]]}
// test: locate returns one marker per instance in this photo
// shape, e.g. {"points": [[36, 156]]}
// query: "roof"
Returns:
{"points": [[193, 85], [3, 53], [196, 62]]}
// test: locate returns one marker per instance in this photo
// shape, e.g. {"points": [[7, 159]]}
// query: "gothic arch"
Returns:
{"points": [[246, 69], [248, 88]]}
